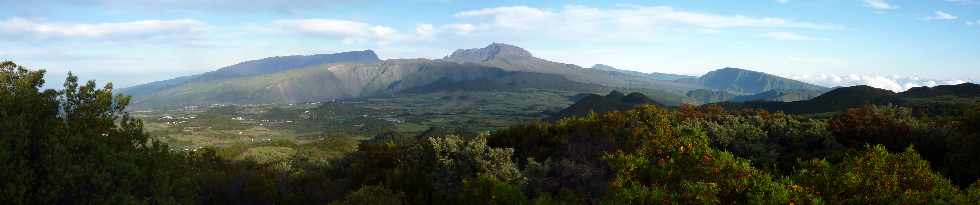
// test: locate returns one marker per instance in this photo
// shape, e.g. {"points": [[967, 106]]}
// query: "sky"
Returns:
{"points": [[891, 44]]}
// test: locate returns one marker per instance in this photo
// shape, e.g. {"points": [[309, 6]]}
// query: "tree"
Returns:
{"points": [[877, 176], [78, 145]]}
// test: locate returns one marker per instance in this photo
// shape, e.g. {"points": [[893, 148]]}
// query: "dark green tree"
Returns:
{"points": [[78, 145]]}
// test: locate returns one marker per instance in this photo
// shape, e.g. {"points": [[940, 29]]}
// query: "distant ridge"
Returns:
{"points": [[923, 99], [741, 82], [614, 101]]}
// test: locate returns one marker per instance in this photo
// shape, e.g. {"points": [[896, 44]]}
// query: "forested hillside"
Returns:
{"points": [[78, 145]]}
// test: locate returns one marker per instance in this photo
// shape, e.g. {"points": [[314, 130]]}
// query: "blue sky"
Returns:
{"points": [[892, 44]]}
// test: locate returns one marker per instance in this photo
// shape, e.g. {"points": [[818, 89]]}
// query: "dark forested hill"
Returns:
{"points": [[614, 101], [937, 100]]}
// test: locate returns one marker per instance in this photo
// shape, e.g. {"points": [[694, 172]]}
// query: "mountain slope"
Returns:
{"points": [[255, 68], [742, 82], [318, 83], [357, 74], [513, 58]]}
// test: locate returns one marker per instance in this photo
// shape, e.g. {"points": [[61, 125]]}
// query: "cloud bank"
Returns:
{"points": [[893, 83]]}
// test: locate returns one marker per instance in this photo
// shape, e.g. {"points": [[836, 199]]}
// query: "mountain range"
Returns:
{"points": [[357, 74]]}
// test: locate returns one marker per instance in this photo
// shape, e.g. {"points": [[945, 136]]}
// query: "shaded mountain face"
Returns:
{"points": [[710, 96], [780, 96], [740, 81], [614, 101], [714, 96]]}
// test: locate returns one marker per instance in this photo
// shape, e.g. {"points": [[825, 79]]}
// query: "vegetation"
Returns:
{"points": [[79, 145]]}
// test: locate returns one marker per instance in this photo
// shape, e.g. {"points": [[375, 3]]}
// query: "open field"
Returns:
{"points": [[327, 130]]}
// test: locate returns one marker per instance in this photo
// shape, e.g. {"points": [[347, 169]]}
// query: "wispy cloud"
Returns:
{"points": [[973, 23], [962, 1], [643, 23], [38, 29], [348, 31], [788, 36], [941, 15], [232, 6], [782, 1], [629, 16], [880, 5]]}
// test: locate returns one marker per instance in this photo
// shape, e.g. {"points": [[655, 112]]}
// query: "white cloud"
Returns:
{"points": [[249, 6], [880, 4], [940, 15], [893, 83], [788, 36], [348, 31], [461, 29], [621, 22], [782, 1], [973, 23], [146, 28], [425, 30], [962, 1]]}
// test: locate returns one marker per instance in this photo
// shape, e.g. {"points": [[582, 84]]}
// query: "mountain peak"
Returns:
{"points": [[604, 67], [490, 52]]}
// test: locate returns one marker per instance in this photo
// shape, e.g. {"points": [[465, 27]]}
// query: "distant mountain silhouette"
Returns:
{"points": [[961, 90], [356, 74]]}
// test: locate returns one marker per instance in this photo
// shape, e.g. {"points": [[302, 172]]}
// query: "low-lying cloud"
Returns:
{"points": [[893, 83]]}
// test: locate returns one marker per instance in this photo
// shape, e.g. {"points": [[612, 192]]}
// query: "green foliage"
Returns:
{"points": [[873, 125], [877, 176], [78, 145], [372, 195], [488, 190]]}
